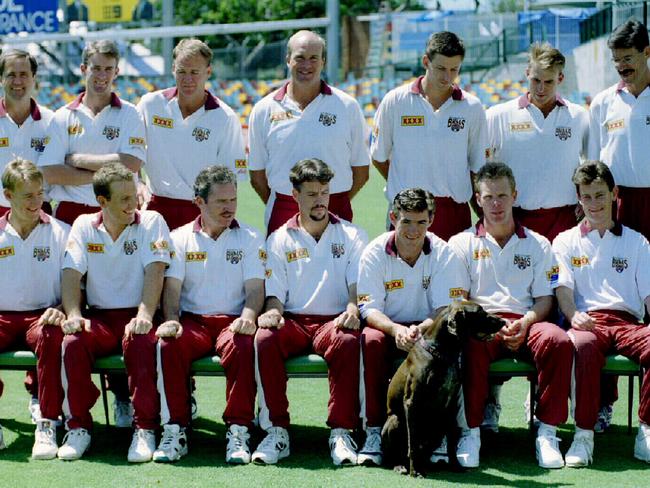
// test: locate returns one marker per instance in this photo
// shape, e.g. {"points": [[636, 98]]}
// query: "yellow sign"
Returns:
{"points": [[108, 10]]}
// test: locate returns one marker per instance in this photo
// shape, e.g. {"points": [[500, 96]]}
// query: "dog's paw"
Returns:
{"points": [[416, 474], [401, 470]]}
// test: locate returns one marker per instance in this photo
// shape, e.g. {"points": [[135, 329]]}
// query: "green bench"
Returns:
{"points": [[312, 365]]}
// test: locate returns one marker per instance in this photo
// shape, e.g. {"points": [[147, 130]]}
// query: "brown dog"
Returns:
{"points": [[423, 393]]}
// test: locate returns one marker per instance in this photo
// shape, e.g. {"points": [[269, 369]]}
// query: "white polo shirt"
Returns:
{"points": [[542, 152], [619, 134], [427, 148], [608, 273], [30, 269], [75, 129], [115, 269], [179, 148], [405, 293], [330, 128], [26, 141], [214, 271], [309, 277], [506, 279]]}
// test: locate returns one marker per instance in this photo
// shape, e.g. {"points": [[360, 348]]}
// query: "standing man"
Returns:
{"points": [[306, 118], [96, 129], [121, 255], [542, 137], [310, 306], [512, 270], [188, 128], [405, 277], [31, 253], [214, 290], [431, 134], [603, 291]]}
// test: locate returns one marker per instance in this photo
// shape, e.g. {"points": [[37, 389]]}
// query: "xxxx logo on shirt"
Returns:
{"points": [[4, 142], [615, 125], [279, 116], [521, 127], [481, 254], [162, 122], [394, 285], [412, 120], [457, 293], [240, 164], [75, 130], [578, 261], [6, 251], [297, 254], [363, 298], [619, 264], [196, 256], [95, 248]]}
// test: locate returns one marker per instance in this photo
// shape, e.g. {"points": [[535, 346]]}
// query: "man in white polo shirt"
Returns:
{"points": [[405, 277], [603, 291], [431, 134], [306, 118], [214, 290], [188, 128], [95, 129], [542, 137], [31, 253], [121, 255], [512, 271], [310, 306]]}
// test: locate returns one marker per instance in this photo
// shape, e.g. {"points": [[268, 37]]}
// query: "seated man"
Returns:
{"points": [[213, 291], [602, 288], [31, 252], [122, 255], [512, 270], [405, 277], [311, 306]]}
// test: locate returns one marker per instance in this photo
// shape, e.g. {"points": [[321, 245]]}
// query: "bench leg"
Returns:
{"points": [[630, 401], [102, 381], [531, 419]]}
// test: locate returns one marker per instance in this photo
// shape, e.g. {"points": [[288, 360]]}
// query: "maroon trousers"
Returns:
{"points": [[203, 335], [69, 211], [286, 207], [302, 334], [175, 212], [548, 222], [450, 217]]}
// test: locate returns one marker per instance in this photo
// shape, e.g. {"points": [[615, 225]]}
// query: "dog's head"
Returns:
{"points": [[466, 319]]}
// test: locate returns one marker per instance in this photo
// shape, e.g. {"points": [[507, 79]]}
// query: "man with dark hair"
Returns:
{"points": [[310, 305], [405, 277], [306, 118], [213, 252], [121, 255], [603, 291], [32, 246], [512, 270], [188, 128], [431, 134]]}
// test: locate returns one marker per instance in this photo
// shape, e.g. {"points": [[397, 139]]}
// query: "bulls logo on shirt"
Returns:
{"points": [[647, 120], [426, 281], [563, 133], [6, 251], [200, 134], [522, 261], [327, 119], [130, 247], [456, 124], [338, 250], [234, 256], [38, 143], [111, 132], [619, 264], [41, 253]]}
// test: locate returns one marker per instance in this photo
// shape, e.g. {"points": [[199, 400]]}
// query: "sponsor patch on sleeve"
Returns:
{"points": [[268, 273], [136, 141], [363, 298], [553, 274], [262, 255], [161, 246]]}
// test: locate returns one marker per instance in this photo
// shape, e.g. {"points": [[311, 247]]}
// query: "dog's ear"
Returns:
{"points": [[451, 322]]}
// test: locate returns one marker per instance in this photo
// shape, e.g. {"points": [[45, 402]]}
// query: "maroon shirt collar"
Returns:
{"points": [[211, 102], [520, 231], [74, 104], [99, 218], [416, 88], [391, 245], [585, 228], [197, 227], [34, 111], [294, 223], [325, 89], [4, 220], [525, 102]]}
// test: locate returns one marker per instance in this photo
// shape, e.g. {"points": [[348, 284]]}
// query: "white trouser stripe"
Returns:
{"points": [[263, 411], [160, 384], [64, 383], [363, 414], [572, 397]]}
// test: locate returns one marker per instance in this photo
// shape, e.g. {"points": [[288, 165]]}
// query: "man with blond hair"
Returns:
{"points": [[188, 128], [306, 118]]}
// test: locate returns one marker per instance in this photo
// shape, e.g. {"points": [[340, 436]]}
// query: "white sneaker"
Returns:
{"points": [[491, 416], [439, 454], [547, 448], [237, 450], [45, 446], [142, 446], [342, 448], [642, 443], [122, 414], [34, 408], [581, 451], [75, 443], [173, 444], [274, 446], [370, 453], [2, 439], [469, 446]]}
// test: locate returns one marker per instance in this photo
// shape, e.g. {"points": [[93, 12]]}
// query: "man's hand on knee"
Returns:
{"points": [[52, 316], [269, 319], [138, 325], [170, 328]]}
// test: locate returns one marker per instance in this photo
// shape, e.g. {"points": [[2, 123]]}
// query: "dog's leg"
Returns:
{"points": [[414, 447]]}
